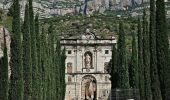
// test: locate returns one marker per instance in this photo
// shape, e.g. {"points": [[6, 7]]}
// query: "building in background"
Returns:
{"points": [[87, 77]]}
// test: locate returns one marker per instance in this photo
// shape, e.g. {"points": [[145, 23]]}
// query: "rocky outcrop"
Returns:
{"points": [[48, 8], [8, 41], [7, 36]]}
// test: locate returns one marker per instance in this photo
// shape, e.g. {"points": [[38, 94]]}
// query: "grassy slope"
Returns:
{"points": [[5, 21]]}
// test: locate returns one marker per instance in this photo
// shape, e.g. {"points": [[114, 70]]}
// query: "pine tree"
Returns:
{"points": [[146, 59], [4, 72], [140, 61], [33, 53], [155, 84], [162, 45], [123, 81], [133, 68], [16, 82], [27, 68]]}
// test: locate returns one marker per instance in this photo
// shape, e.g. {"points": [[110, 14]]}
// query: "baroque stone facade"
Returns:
{"points": [[86, 75]]}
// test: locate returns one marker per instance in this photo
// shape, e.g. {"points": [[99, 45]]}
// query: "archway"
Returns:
{"points": [[89, 88], [88, 61]]}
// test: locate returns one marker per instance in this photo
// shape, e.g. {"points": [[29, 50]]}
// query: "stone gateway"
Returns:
{"points": [[87, 58]]}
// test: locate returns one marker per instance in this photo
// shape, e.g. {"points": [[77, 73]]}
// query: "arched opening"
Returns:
{"points": [[88, 61], [89, 88]]}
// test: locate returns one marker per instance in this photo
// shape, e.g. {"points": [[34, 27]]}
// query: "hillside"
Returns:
{"points": [[49, 8]]}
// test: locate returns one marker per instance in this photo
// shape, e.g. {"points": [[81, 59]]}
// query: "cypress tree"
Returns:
{"points": [[123, 81], [114, 74], [33, 53], [155, 84], [133, 68], [162, 45], [146, 59], [44, 63], [38, 44], [57, 65], [52, 56], [50, 61], [62, 77], [17, 88], [140, 61], [4, 72], [27, 68]]}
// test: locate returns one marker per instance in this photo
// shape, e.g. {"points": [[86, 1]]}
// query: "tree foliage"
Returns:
{"points": [[146, 59], [140, 61], [155, 84], [162, 46], [16, 80], [27, 67], [133, 69], [123, 75]]}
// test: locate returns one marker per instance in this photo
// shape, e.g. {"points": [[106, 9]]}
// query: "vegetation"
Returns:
{"points": [[133, 67], [140, 61], [155, 84], [38, 44], [39, 79], [38, 61], [33, 53], [162, 47], [146, 59], [4, 71], [123, 81], [27, 67], [16, 80], [113, 64]]}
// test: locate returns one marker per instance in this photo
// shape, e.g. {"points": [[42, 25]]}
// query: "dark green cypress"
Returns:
{"points": [[57, 65], [162, 45], [4, 72], [44, 63], [27, 68], [52, 53], [50, 61], [155, 84], [123, 82], [63, 84], [133, 68], [140, 61], [38, 44], [114, 74], [17, 88], [146, 59], [33, 54]]}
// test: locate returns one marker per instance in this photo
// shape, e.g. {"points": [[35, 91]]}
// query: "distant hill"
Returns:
{"points": [[49, 8]]}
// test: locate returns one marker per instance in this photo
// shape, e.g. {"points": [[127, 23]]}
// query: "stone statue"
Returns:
{"points": [[90, 88], [87, 61]]}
